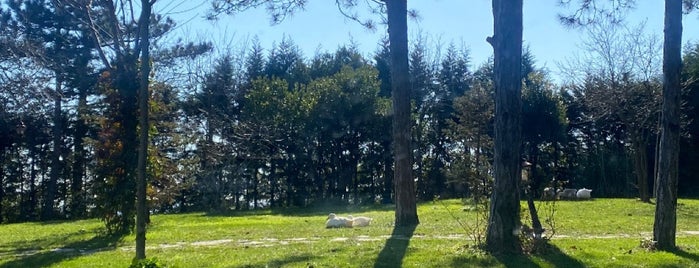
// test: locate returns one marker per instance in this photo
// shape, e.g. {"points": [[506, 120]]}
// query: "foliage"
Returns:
{"points": [[589, 12], [272, 127], [146, 263], [169, 164], [543, 130], [471, 128], [690, 130], [114, 187], [621, 68]]}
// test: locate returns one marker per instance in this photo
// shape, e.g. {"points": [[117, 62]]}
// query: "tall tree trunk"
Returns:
{"points": [[2, 184], [533, 189], [141, 207], [77, 204], [126, 186], [387, 174], [406, 207], [47, 208], [656, 161], [504, 221], [272, 182], [32, 186], [640, 160], [665, 225]]}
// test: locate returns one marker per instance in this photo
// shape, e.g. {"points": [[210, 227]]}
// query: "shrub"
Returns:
{"points": [[147, 263]]}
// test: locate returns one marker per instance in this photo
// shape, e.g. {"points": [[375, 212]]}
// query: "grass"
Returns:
{"points": [[598, 233]]}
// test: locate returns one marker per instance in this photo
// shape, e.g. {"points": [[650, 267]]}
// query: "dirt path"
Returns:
{"points": [[272, 242]]}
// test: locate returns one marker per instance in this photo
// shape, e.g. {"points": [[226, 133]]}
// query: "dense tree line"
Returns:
{"points": [[272, 127]]}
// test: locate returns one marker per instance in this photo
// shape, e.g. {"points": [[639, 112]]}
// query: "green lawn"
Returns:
{"points": [[598, 233]]}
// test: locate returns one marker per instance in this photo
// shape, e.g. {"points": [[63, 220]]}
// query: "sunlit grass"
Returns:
{"points": [[597, 233]]}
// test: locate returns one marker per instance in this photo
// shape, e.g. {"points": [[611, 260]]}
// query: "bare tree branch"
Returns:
{"points": [[278, 9], [589, 12]]}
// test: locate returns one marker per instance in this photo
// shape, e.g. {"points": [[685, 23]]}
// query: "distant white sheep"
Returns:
{"points": [[359, 221], [567, 194], [337, 222], [584, 193], [548, 194]]}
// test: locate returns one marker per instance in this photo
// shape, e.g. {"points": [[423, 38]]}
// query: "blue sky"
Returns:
{"points": [[468, 22]]}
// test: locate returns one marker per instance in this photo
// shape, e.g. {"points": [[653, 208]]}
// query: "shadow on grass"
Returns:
{"points": [[47, 257], [396, 246], [517, 260], [548, 256], [283, 262], [687, 255], [553, 255], [687, 211]]}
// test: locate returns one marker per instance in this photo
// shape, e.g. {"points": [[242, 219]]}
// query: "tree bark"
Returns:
{"points": [[532, 189], [2, 184], [406, 208], [77, 204], [504, 219], [640, 159], [141, 208], [665, 225], [47, 208], [387, 171]]}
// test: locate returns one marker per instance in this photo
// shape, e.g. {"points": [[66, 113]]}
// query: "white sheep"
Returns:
{"points": [[567, 193], [359, 221], [548, 194], [584, 193], [337, 222]]}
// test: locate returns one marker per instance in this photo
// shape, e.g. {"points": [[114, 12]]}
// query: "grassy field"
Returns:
{"points": [[598, 233]]}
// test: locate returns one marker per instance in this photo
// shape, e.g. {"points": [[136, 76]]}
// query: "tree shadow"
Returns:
{"points": [[46, 257], [684, 254], [555, 256], [516, 260], [283, 262], [395, 248], [548, 253], [686, 211]]}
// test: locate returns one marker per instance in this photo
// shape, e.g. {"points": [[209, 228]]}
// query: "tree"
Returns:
{"points": [[44, 28], [455, 80], [687, 181], [504, 222], [588, 12], [543, 129], [422, 81], [406, 208], [143, 47], [383, 66], [213, 106], [665, 224], [397, 14], [618, 76], [472, 127]]}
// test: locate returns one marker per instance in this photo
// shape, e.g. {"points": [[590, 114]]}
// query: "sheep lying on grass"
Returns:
{"points": [[359, 221], [584, 193], [567, 194], [337, 222], [573, 194]]}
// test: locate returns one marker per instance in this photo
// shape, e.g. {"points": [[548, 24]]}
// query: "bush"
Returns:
{"points": [[146, 263]]}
